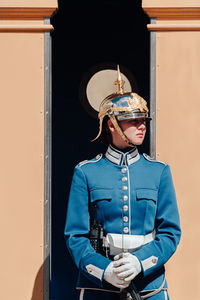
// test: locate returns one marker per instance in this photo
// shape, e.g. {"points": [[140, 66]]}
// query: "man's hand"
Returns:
{"points": [[113, 278], [126, 266]]}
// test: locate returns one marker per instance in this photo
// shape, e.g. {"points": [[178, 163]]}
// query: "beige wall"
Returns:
{"points": [[169, 3], [178, 132], [21, 160], [22, 138], [178, 142], [28, 3], [22, 152]]}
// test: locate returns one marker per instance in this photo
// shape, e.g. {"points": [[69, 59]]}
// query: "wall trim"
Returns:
{"points": [[25, 13], [173, 13], [153, 90], [173, 27], [47, 160], [25, 28]]}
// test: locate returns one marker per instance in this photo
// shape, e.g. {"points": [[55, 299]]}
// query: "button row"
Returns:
{"points": [[125, 198]]}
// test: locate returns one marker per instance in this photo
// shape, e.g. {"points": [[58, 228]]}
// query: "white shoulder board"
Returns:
{"points": [[94, 160], [149, 158]]}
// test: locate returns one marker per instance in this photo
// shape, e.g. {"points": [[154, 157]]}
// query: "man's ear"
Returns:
{"points": [[110, 126]]}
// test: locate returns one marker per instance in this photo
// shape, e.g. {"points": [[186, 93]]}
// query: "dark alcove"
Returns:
{"points": [[87, 35]]}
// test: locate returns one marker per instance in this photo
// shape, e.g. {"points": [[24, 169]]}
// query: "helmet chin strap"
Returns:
{"points": [[119, 130]]}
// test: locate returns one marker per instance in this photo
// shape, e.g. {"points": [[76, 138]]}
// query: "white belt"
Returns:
{"points": [[124, 242]]}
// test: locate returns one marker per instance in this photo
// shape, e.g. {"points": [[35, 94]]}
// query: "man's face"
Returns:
{"points": [[134, 129]]}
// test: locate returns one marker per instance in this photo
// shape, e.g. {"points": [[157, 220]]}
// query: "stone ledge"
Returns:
{"points": [[25, 13], [26, 28], [173, 13], [174, 27]]}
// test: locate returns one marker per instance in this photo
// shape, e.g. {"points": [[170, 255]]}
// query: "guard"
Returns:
{"points": [[122, 222]]}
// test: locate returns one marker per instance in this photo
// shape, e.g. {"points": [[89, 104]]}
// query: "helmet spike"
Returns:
{"points": [[119, 82], [118, 73]]}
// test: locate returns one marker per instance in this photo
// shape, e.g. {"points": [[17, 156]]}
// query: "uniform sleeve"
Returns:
{"points": [[167, 225], [77, 228]]}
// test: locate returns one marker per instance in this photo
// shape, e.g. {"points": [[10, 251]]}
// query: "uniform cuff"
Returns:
{"points": [[147, 262], [94, 267]]}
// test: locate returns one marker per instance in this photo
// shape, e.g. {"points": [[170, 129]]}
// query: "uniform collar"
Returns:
{"points": [[120, 158]]}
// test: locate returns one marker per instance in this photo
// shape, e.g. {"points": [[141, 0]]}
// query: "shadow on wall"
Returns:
{"points": [[41, 284], [37, 293]]}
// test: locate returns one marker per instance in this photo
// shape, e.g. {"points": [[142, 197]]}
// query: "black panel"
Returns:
{"points": [[87, 33]]}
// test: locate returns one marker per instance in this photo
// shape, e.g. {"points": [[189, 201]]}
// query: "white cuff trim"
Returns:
{"points": [[149, 262], [95, 271]]}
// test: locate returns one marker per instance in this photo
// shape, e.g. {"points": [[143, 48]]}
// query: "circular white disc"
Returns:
{"points": [[102, 84]]}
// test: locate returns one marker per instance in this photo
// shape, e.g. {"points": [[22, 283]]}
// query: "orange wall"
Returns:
{"points": [[21, 153], [22, 145], [178, 130], [178, 142], [21, 160]]}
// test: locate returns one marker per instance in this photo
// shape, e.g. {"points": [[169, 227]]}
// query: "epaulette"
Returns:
{"points": [[149, 158], [94, 160]]}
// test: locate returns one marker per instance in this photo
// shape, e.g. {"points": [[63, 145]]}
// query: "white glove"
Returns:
{"points": [[112, 278], [126, 266]]}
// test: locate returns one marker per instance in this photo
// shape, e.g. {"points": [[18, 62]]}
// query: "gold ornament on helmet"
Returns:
{"points": [[119, 82]]}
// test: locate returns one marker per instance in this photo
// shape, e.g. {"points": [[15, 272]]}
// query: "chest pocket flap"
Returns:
{"points": [[147, 194], [100, 194]]}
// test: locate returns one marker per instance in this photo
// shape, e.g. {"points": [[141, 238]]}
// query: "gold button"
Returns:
{"points": [[154, 260], [89, 270]]}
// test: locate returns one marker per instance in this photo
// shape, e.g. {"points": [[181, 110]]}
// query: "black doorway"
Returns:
{"points": [[86, 34]]}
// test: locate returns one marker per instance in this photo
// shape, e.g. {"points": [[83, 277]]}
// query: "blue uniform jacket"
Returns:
{"points": [[133, 186]]}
